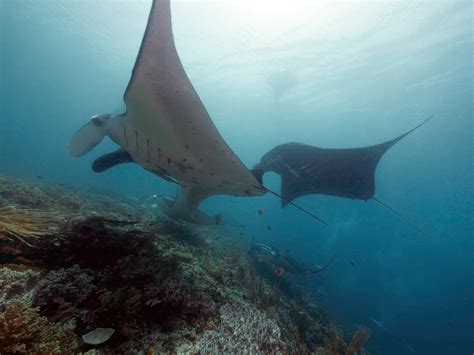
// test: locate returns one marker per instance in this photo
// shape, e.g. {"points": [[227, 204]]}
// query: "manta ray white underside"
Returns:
{"points": [[166, 128]]}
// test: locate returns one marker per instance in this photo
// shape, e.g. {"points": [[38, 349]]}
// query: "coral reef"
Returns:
{"points": [[24, 331], [15, 284], [30, 194], [242, 326], [157, 284], [63, 290]]}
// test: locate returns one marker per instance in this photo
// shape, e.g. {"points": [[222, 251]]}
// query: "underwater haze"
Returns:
{"points": [[325, 73]]}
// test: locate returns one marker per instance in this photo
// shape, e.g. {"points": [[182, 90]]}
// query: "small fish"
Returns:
{"points": [[243, 226], [241, 233], [451, 324], [409, 347], [217, 219], [279, 271], [353, 264], [269, 228], [261, 212], [39, 177], [377, 323]]}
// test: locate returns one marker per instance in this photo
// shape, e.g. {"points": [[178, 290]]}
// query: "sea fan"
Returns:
{"points": [[358, 340], [21, 224]]}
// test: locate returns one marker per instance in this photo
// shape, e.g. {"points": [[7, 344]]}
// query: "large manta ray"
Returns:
{"points": [[166, 128], [347, 172]]}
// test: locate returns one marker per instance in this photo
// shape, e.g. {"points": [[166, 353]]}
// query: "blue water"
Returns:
{"points": [[362, 73]]}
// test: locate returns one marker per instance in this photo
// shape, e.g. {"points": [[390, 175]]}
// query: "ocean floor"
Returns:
{"points": [[85, 273]]}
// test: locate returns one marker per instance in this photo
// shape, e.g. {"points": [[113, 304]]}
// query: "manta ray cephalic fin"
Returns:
{"points": [[86, 138]]}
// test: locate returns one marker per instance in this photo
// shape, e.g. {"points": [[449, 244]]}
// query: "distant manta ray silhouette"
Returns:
{"points": [[347, 172], [167, 130], [280, 82]]}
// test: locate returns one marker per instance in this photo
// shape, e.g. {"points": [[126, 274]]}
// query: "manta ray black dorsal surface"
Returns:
{"points": [[305, 169]]}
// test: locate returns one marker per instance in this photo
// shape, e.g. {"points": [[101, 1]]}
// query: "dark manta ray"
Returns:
{"points": [[305, 170]]}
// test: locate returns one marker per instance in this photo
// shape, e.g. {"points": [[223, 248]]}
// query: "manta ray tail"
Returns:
{"points": [[87, 137], [296, 206], [399, 215]]}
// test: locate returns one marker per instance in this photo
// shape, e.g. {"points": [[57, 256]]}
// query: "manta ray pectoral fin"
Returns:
{"points": [[88, 136], [384, 147], [107, 161]]}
